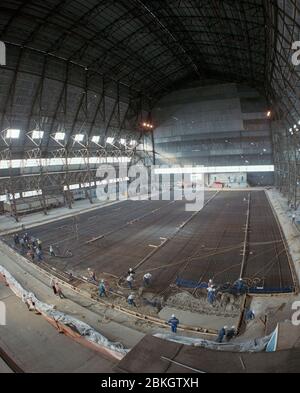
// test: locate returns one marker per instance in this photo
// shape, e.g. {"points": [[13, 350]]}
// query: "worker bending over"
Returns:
{"points": [[130, 300], [147, 279]]}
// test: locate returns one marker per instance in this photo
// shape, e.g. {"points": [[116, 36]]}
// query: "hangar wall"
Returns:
{"points": [[214, 125]]}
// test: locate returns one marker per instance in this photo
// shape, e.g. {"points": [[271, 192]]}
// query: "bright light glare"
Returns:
{"points": [[110, 140], [96, 139], [59, 136], [37, 134], [79, 137], [13, 133]]}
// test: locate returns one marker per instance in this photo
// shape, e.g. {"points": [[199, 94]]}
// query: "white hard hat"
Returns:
{"points": [[173, 316], [225, 327], [232, 327]]}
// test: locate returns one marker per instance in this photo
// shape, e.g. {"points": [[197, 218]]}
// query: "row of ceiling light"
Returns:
{"points": [[13, 133]]}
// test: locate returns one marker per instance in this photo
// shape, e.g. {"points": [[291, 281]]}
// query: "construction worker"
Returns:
{"points": [[23, 246], [31, 254], [58, 290], [173, 322], [240, 286], [249, 316], [92, 274], [102, 289], [51, 250], [52, 284], [293, 218], [30, 303], [129, 280], [39, 244], [131, 271], [39, 254], [221, 334], [230, 333], [26, 238], [33, 241], [130, 300], [210, 283], [147, 279], [211, 295], [16, 239]]}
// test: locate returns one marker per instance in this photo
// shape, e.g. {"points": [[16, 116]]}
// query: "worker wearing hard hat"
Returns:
{"points": [[173, 322]]}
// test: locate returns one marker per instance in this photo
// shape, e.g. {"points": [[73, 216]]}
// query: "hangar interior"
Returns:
{"points": [[112, 115]]}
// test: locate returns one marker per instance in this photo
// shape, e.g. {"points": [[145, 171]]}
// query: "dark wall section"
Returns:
{"points": [[215, 125], [261, 179]]}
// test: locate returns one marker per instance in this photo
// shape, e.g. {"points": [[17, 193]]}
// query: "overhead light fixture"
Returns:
{"points": [[295, 125], [37, 134], [79, 137], [147, 125], [96, 139], [269, 113], [123, 141], [12, 133], [59, 136], [110, 140], [133, 142]]}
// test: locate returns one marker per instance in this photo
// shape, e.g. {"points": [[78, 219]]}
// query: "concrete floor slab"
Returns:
{"points": [[36, 346], [82, 308], [154, 355], [290, 230], [112, 239], [4, 369], [205, 321]]}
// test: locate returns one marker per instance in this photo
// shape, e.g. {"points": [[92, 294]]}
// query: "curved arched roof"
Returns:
{"points": [[139, 48]]}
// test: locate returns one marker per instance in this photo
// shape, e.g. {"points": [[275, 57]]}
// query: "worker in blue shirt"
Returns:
{"points": [[102, 289], [173, 322], [221, 334]]}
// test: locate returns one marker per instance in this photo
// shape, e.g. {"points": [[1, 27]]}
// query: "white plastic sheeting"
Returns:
{"points": [[76, 325], [256, 345]]}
